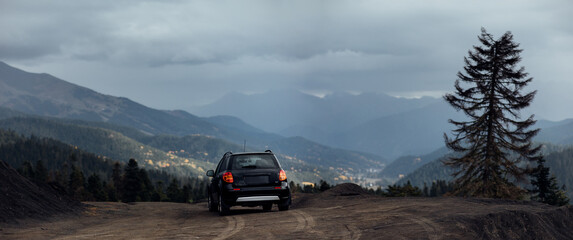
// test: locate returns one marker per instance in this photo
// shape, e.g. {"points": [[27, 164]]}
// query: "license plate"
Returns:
{"points": [[256, 180]]}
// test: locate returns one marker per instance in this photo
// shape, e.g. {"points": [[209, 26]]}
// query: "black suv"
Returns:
{"points": [[248, 179]]}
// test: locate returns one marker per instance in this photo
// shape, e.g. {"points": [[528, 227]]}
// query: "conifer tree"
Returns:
{"points": [[131, 182], [110, 191], [158, 195], [186, 194], [76, 183], [27, 170], [403, 191], [116, 179], [545, 188], [41, 172], [323, 186], [95, 187], [173, 191], [147, 188], [494, 141]]}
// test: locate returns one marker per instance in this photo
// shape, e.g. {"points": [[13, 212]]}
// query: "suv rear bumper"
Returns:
{"points": [[254, 196], [258, 199]]}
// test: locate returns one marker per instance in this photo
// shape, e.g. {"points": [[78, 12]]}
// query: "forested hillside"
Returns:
{"points": [[173, 140], [407, 164], [561, 165], [107, 144], [181, 156], [325, 156], [89, 177], [558, 158]]}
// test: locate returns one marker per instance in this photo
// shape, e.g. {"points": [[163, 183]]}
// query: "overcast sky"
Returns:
{"points": [[178, 54]]}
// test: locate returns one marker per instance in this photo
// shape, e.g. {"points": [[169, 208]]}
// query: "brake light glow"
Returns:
{"points": [[228, 177], [282, 175]]}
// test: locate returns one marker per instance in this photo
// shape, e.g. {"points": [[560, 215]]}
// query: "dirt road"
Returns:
{"points": [[311, 217]]}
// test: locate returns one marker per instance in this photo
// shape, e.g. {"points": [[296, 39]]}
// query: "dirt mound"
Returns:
{"points": [[21, 198], [342, 192], [346, 189]]}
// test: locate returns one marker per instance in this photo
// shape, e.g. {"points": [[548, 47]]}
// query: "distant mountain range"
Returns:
{"points": [[45, 95], [26, 99], [368, 122], [281, 111], [556, 132], [336, 134]]}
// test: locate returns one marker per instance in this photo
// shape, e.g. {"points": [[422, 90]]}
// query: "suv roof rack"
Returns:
{"points": [[268, 151]]}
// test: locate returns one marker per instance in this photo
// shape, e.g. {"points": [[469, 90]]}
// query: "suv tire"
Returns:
{"points": [[211, 204], [224, 209], [284, 205]]}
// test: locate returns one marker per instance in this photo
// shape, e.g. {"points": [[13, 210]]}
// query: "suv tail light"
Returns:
{"points": [[228, 177], [282, 175]]}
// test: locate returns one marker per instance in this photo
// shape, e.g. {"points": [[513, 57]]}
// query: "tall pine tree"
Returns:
{"points": [[131, 183], [494, 140], [95, 188], [117, 181]]}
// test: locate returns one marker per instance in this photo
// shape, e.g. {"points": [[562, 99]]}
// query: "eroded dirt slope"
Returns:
{"points": [[21, 198]]}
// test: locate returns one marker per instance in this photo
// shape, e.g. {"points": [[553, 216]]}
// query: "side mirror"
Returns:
{"points": [[210, 173]]}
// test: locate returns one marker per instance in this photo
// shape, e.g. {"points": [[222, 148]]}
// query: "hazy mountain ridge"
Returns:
{"points": [[414, 131], [368, 122], [405, 165], [326, 156], [150, 122], [45, 95], [278, 110], [557, 132]]}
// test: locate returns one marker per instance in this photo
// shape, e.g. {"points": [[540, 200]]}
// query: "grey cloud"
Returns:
{"points": [[201, 49]]}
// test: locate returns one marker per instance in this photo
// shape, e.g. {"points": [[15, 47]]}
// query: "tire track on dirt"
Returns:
{"points": [[429, 227], [354, 232], [305, 221], [236, 224]]}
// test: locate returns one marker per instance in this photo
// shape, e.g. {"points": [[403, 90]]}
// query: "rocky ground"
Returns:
{"points": [[344, 212]]}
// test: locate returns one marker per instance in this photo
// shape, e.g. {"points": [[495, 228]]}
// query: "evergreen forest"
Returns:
{"points": [[89, 177]]}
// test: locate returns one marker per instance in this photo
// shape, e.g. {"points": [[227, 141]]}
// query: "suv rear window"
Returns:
{"points": [[258, 161]]}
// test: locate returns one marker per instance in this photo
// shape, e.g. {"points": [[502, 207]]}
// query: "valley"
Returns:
{"points": [[337, 138]]}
